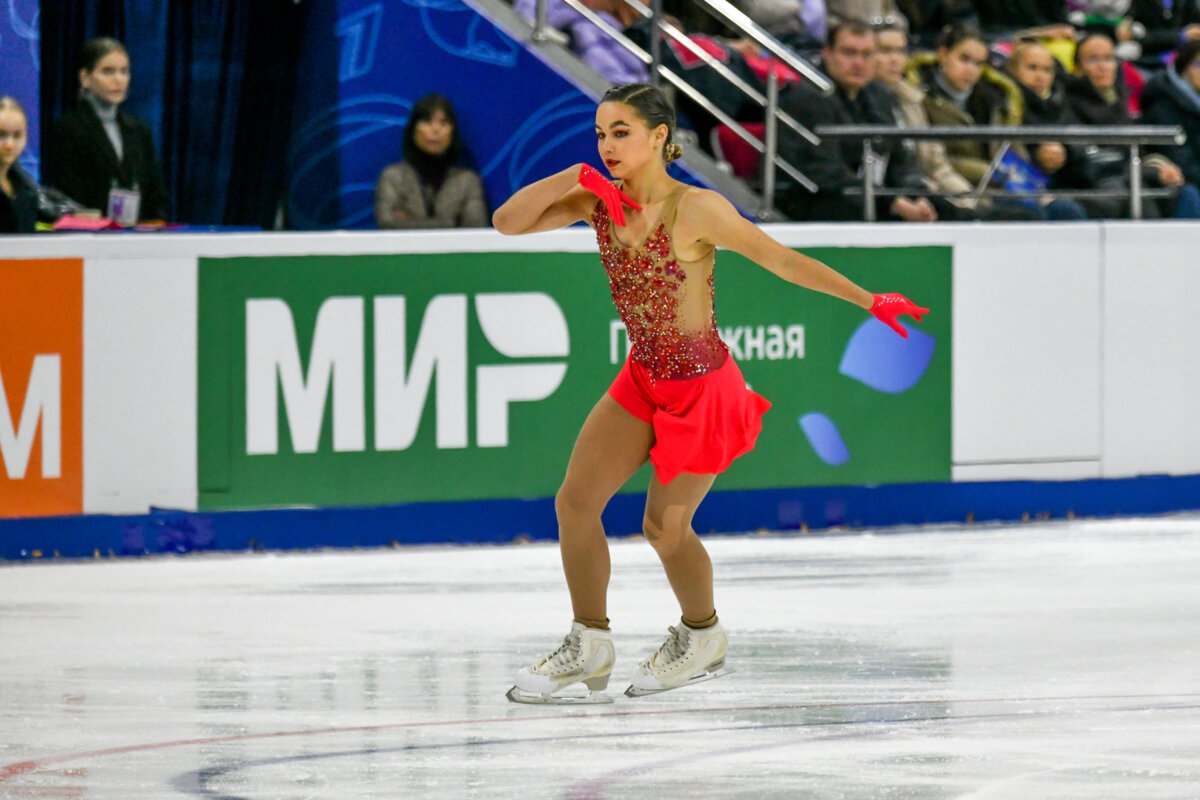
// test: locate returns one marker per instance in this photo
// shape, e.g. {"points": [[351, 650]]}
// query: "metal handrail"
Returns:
{"points": [[1068, 134], [730, 15], [1131, 136], [767, 146]]}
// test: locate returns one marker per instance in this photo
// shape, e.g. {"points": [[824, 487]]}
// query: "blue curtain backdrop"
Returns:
{"points": [[214, 80], [19, 70]]}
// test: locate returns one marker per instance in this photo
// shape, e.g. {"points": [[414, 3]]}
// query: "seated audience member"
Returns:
{"points": [[836, 167], [429, 188], [1173, 98], [1067, 166], [599, 50], [18, 193], [1166, 24], [1098, 97], [940, 174], [891, 43], [97, 148], [961, 88]]}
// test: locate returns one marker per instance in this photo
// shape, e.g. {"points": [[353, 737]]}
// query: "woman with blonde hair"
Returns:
{"points": [[18, 192]]}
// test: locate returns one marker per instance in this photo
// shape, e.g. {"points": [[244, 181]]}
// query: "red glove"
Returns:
{"points": [[600, 186], [889, 306]]}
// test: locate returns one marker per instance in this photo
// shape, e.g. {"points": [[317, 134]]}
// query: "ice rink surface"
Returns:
{"points": [[1054, 660]]}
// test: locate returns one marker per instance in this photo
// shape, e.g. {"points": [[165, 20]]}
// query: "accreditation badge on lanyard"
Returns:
{"points": [[123, 206]]}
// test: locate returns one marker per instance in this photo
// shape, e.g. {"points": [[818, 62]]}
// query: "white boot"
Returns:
{"points": [[689, 655], [586, 656]]}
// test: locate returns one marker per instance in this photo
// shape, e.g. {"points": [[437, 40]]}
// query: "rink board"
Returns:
{"points": [[1065, 361]]}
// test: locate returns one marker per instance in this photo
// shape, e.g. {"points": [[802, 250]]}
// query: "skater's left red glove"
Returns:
{"points": [[889, 306], [613, 197]]}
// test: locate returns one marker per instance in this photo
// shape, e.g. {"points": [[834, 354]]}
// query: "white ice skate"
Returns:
{"points": [[585, 657], [689, 655]]}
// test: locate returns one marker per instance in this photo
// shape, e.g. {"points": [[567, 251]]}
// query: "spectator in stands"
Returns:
{"points": [[891, 43], [97, 148], [836, 168], [1067, 166], [961, 88], [18, 193], [430, 188], [1098, 97], [599, 50], [1173, 98], [940, 175], [1167, 23]]}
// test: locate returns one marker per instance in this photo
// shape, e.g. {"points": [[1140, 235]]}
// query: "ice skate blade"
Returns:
{"points": [[633, 691], [515, 695]]}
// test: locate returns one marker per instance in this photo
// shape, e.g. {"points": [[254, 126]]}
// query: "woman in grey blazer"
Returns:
{"points": [[429, 188]]}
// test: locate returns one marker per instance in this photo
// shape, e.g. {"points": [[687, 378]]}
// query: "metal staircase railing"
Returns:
{"points": [[767, 146]]}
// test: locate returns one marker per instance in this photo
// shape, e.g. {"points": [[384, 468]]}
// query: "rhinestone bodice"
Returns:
{"points": [[667, 308]]}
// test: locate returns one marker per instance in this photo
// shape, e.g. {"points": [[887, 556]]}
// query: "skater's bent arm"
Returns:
{"points": [[719, 223], [553, 202]]}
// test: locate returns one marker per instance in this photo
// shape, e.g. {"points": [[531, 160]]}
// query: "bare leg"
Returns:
{"points": [[668, 528], [611, 446]]}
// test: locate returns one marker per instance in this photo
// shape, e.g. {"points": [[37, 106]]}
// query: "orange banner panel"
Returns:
{"points": [[41, 387]]}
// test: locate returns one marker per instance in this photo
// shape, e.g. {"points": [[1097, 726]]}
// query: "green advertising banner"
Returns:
{"points": [[371, 380]]}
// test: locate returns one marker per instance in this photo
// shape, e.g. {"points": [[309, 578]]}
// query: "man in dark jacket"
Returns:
{"points": [[1173, 98], [836, 167]]}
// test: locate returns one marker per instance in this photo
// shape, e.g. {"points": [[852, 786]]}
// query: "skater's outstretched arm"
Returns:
{"points": [[553, 202], [707, 219], [712, 220]]}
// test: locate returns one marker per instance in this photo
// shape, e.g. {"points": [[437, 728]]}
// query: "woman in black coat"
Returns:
{"points": [[1173, 98], [18, 193], [97, 148], [1098, 96]]}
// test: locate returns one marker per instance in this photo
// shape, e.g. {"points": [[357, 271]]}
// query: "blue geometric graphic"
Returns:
{"points": [[824, 437], [360, 34], [876, 356]]}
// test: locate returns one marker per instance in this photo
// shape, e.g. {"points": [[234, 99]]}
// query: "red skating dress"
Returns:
{"points": [[679, 376]]}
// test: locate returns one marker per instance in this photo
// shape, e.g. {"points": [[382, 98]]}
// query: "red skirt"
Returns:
{"points": [[700, 424]]}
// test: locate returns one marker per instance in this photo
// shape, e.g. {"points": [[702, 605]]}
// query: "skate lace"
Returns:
{"points": [[568, 651], [673, 649]]}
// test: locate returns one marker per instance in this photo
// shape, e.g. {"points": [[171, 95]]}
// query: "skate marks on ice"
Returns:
{"points": [[778, 750], [1031, 661]]}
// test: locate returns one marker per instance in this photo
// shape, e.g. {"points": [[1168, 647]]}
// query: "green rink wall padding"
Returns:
{"points": [[498, 521], [853, 404]]}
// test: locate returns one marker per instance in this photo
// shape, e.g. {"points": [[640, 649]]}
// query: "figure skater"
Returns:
{"points": [[679, 400]]}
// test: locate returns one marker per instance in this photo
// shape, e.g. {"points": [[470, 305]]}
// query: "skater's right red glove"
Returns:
{"points": [[613, 197], [889, 306]]}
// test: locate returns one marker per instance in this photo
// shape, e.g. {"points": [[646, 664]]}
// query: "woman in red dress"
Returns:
{"points": [[679, 400]]}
